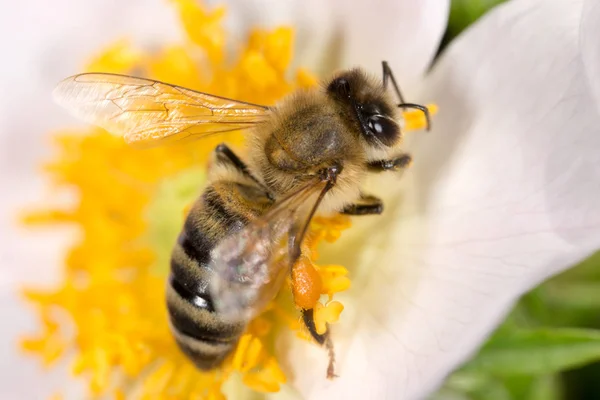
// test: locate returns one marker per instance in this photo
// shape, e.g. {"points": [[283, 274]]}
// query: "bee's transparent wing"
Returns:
{"points": [[251, 265], [147, 112]]}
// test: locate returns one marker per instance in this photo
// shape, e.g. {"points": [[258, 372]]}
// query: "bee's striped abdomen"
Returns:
{"points": [[201, 333]]}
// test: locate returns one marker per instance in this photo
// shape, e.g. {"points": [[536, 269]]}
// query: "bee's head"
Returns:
{"points": [[368, 107]]}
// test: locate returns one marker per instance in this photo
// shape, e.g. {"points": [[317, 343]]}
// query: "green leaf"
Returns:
{"points": [[587, 270], [519, 386], [539, 351], [471, 385], [464, 12], [545, 387], [580, 295]]}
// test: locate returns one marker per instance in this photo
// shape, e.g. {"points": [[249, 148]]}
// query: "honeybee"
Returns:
{"points": [[242, 237]]}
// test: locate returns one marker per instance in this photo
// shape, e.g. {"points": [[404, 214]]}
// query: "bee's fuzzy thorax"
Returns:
{"points": [[306, 134]]}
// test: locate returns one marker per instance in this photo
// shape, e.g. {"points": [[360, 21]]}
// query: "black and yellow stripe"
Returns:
{"points": [[201, 333]]}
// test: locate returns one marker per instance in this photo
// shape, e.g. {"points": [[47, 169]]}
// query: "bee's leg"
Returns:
{"points": [[322, 339], [395, 164], [367, 205], [225, 155], [296, 236], [309, 321], [308, 317]]}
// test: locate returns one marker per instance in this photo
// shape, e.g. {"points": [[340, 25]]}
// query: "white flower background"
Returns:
{"points": [[504, 191]]}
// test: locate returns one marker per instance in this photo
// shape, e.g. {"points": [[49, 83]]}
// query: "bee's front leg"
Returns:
{"points": [[394, 164], [367, 205]]}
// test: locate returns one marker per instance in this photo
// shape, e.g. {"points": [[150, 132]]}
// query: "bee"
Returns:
{"points": [[242, 237]]}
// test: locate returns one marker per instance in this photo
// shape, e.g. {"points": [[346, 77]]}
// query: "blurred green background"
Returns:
{"points": [[549, 346]]}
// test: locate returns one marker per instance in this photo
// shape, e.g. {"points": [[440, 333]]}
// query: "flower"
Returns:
{"points": [[501, 195], [125, 209]]}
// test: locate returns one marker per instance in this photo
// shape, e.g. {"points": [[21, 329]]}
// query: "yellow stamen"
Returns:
{"points": [[204, 28], [175, 65], [121, 56], [334, 280], [266, 379], [328, 314], [304, 79]]}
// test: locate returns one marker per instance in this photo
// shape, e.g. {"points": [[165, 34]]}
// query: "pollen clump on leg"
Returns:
{"points": [[307, 284], [310, 281]]}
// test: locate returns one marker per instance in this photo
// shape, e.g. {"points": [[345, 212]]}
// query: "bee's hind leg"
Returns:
{"points": [[309, 321], [323, 339], [367, 205]]}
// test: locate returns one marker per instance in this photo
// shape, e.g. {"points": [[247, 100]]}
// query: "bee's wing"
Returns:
{"points": [[144, 111], [250, 266]]}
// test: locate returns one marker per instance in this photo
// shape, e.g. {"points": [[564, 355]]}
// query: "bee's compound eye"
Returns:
{"points": [[384, 129]]}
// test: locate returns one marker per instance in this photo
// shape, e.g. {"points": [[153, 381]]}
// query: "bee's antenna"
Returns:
{"points": [[419, 107], [389, 75]]}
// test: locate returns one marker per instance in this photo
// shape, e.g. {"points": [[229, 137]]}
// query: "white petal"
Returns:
{"points": [[340, 34], [590, 51], [42, 43], [503, 194]]}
